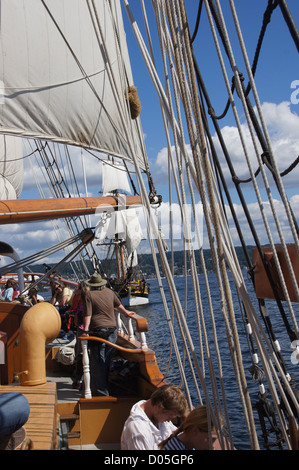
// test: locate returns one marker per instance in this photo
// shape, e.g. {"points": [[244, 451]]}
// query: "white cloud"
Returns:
{"points": [[283, 125], [30, 238], [259, 226]]}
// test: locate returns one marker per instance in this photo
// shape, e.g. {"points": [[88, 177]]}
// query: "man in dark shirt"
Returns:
{"points": [[99, 320]]}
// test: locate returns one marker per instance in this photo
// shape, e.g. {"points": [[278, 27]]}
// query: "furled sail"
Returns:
{"points": [[64, 75], [11, 167]]}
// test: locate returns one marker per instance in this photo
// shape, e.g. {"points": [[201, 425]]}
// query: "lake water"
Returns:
{"points": [[158, 339]]}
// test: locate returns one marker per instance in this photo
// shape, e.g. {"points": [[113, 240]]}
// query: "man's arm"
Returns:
{"points": [[123, 310], [87, 312], [86, 323], [136, 436]]}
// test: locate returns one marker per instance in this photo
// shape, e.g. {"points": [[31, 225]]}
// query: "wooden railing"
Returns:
{"points": [[141, 328]]}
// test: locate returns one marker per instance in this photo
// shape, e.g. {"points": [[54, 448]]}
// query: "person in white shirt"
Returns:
{"points": [[150, 421]]}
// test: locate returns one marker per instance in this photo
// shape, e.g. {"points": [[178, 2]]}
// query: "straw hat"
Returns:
{"points": [[96, 281]]}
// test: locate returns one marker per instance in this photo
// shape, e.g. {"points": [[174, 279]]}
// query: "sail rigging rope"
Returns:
{"points": [[283, 195], [164, 101], [244, 205], [291, 334], [196, 290], [228, 87], [243, 143], [210, 215], [42, 254], [211, 197]]}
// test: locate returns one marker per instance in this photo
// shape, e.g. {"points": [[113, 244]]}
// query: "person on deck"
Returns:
{"points": [[61, 298], [75, 312], [193, 433], [14, 413], [99, 320], [34, 297], [10, 291], [150, 421], [61, 295]]}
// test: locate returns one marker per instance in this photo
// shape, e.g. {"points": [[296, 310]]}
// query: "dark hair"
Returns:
{"points": [[33, 290], [11, 283]]}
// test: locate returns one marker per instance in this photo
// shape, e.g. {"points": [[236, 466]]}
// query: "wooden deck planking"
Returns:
{"points": [[41, 426]]}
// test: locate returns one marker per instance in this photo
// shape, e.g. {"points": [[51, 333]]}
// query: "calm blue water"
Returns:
{"points": [[158, 339]]}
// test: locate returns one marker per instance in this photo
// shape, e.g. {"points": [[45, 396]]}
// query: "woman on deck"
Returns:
{"points": [[195, 433], [10, 291]]}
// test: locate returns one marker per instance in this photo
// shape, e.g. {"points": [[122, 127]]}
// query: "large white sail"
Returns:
{"points": [[11, 167], [64, 73]]}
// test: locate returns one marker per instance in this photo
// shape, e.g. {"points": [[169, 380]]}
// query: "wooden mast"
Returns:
{"points": [[28, 210]]}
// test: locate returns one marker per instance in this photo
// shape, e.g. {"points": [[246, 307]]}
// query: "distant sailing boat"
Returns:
{"points": [[122, 230]]}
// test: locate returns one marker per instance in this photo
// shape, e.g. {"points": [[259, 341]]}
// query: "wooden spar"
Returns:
{"points": [[28, 210]]}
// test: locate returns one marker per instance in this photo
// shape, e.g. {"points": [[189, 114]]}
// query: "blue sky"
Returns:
{"points": [[277, 67], [277, 70]]}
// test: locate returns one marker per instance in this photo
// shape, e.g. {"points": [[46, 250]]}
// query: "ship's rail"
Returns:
{"points": [[141, 327], [137, 347]]}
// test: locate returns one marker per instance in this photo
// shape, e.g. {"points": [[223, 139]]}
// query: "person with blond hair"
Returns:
{"points": [[150, 420], [61, 295], [194, 433]]}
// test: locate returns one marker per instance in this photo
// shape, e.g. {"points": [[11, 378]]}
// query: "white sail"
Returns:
{"points": [[11, 167], [110, 226], [134, 233], [123, 225], [64, 72], [132, 259], [114, 177]]}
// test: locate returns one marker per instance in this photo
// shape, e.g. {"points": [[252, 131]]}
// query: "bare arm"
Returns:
{"points": [[54, 297], [123, 310], [86, 323]]}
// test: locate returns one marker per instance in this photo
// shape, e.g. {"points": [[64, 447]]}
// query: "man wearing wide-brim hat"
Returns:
{"points": [[96, 281], [99, 320]]}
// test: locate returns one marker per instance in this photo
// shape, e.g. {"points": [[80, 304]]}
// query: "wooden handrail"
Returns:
{"points": [[116, 346], [86, 371], [141, 326], [141, 322]]}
